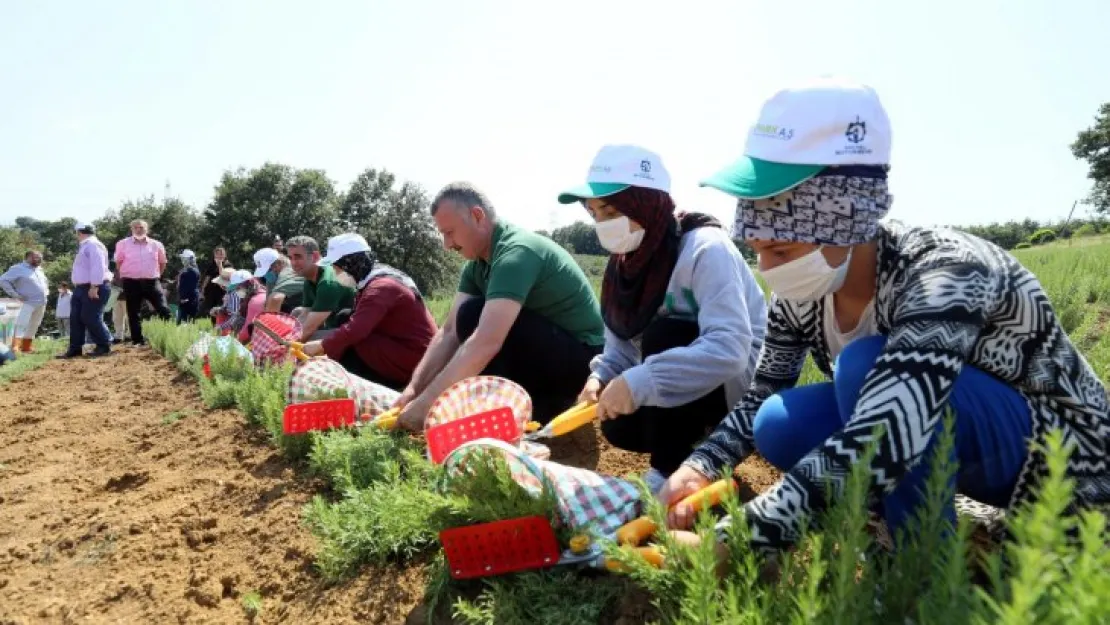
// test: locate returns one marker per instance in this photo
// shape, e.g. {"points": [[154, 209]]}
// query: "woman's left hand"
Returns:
{"points": [[313, 348], [615, 400]]}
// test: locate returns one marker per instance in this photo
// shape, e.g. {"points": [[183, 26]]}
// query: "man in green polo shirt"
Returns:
{"points": [[324, 296], [524, 311]]}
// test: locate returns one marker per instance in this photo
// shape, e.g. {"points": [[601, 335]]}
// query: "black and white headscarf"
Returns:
{"points": [[828, 209]]}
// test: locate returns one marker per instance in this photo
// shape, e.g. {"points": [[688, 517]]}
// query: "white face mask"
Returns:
{"points": [[808, 278], [616, 235], [344, 278]]}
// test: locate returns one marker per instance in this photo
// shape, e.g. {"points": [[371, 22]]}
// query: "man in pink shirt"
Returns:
{"points": [[90, 278], [140, 261]]}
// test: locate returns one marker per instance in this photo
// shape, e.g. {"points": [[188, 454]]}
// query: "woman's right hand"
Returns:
{"points": [[682, 483], [590, 391], [405, 398]]}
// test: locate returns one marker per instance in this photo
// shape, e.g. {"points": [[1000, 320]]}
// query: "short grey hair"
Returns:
{"points": [[141, 222], [308, 243], [464, 195]]}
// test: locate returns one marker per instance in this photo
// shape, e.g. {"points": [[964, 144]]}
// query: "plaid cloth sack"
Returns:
{"points": [[317, 378], [588, 501], [224, 344], [482, 393], [266, 349]]}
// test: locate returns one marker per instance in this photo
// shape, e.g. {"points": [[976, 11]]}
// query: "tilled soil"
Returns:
{"points": [[124, 500]]}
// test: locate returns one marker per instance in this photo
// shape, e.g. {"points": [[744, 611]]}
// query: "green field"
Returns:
{"points": [[386, 510]]}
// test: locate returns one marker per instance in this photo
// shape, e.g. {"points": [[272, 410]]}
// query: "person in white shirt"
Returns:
{"points": [[61, 309], [27, 283]]}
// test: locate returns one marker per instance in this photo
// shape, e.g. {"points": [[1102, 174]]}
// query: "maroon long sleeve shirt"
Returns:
{"points": [[390, 329]]}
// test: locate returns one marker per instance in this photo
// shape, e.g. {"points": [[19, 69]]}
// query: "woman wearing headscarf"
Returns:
{"points": [[188, 287], [242, 290], [390, 327], [684, 316], [907, 323]]}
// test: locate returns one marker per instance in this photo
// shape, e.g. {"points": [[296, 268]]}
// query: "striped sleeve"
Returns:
{"points": [[780, 365], [935, 323]]}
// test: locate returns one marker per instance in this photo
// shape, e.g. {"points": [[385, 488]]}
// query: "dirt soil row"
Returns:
{"points": [[124, 500]]}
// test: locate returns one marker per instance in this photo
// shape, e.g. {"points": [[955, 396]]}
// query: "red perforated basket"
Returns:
{"points": [[498, 423], [499, 547], [318, 415]]}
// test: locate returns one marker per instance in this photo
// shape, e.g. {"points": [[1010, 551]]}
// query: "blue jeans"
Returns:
{"points": [[87, 315], [992, 423]]}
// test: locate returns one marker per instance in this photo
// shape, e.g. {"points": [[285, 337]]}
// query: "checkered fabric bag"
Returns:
{"points": [[318, 377], [587, 500], [479, 394], [207, 343], [266, 349]]}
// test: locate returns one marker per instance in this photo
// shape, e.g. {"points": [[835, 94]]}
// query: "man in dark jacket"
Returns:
{"points": [[188, 288]]}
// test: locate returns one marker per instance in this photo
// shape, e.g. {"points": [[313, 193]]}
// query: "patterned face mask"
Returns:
{"points": [[827, 210]]}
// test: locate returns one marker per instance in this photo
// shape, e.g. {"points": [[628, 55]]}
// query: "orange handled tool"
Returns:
{"points": [[571, 420], [388, 419], [638, 530]]}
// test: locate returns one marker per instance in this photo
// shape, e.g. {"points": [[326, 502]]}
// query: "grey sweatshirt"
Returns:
{"points": [[712, 285]]}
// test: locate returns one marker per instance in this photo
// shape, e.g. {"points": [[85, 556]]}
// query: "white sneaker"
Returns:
{"points": [[654, 480]]}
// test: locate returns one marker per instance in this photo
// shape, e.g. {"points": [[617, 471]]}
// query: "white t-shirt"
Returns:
{"points": [[837, 339]]}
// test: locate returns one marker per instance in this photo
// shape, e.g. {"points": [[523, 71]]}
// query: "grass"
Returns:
{"points": [[385, 502], [45, 350]]}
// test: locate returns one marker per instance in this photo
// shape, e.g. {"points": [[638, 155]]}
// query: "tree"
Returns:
{"points": [[1093, 146], [579, 238], [251, 207], [55, 238], [172, 222], [399, 228]]}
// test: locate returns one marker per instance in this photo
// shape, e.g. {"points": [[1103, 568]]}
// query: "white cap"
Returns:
{"points": [[84, 227], [341, 245], [238, 277], [187, 254], [804, 129], [263, 258], [617, 167]]}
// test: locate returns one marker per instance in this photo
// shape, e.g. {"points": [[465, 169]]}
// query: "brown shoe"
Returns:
{"points": [[25, 347]]}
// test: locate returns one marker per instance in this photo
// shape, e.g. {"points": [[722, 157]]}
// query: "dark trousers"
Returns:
{"points": [[550, 363], [86, 317], [669, 435], [187, 312], [355, 366], [135, 292]]}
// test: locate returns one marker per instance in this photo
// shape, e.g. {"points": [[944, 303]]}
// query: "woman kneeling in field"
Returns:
{"points": [[907, 323], [684, 316]]}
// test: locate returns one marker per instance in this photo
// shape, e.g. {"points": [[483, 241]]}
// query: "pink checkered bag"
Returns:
{"points": [[453, 415], [588, 501], [318, 378], [264, 348]]}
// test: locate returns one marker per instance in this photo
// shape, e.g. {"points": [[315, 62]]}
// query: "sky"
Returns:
{"points": [[105, 101]]}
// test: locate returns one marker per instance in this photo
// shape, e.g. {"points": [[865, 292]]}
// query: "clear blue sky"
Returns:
{"points": [[102, 101]]}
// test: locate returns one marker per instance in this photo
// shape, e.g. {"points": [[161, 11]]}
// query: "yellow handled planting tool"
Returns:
{"points": [[387, 420], [637, 531], [296, 348], [571, 420]]}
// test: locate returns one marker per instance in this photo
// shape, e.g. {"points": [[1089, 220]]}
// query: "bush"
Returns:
{"points": [[1023, 245], [1042, 236], [1086, 230]]}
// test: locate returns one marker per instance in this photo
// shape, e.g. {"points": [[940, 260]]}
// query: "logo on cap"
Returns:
{"points": [[856, 131], [645, 166]]}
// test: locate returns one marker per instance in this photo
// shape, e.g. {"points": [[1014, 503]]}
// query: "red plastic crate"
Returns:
{"points": [[446, 437], [499, 547], [318, 415]]}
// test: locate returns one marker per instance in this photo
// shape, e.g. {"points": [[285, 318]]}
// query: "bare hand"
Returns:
{"points": [[616, 400], [313, 348], [693, 541], [94, 293], [413, 415], [682, 483], [590, 391], [406, 396]]}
